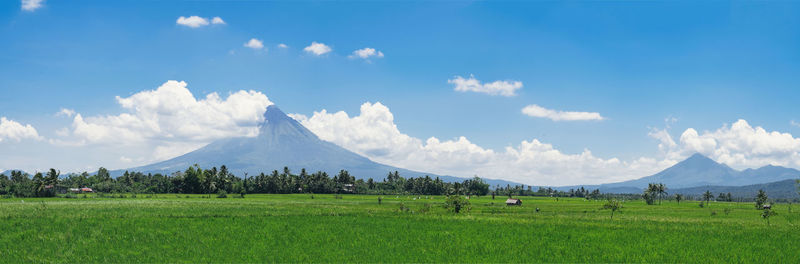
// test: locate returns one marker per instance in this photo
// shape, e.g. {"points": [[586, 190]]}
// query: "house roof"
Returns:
{"points": [[512, 200]]}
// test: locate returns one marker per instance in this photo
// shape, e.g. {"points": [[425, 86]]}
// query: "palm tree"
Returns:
{"points": [[662, 190], [678, 197], [707, 196]]}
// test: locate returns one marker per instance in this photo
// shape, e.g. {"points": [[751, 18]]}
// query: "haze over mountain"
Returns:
{"points": [[699, 170], [778, 189], [282, 141]]}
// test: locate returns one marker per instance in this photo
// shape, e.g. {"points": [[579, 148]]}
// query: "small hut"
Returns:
{"points": [[512, 201], [349, 188]]}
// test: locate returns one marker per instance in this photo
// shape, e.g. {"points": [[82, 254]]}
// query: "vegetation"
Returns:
{"points": [[767, 213], [707, 196], [613, 205], [456, 203], [295, 228], [761, 199], [196, 180]]}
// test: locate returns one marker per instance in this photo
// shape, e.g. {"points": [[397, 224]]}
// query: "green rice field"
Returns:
{"points": [[356, 228]]}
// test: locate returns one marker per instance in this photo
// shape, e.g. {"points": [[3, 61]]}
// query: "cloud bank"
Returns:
{"points": [[374, 134], [171, 120]]}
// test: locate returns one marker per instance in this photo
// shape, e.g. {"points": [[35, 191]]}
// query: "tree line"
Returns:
{"points": [[196, 180]]}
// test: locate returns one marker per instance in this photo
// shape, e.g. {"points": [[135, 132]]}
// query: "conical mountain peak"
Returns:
{"points": [[279, 126], [274, 114]]}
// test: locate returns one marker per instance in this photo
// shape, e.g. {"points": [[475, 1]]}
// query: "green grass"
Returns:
{"points": [[296, 228]]}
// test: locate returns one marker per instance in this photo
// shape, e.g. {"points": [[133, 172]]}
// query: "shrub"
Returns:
{"points": [[222, 194], [457, 204], [403, 208], [612, 204]]}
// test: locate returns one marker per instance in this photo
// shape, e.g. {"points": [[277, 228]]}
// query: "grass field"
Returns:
{"points": [[297, 228]]}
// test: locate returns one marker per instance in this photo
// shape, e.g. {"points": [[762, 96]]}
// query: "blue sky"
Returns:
{"points": [[635, 63]]}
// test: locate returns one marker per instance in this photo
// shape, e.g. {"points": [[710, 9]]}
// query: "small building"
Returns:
{"points": [[767, 206], [74, 190], [512, 201], [86, 189], [349, 188]]}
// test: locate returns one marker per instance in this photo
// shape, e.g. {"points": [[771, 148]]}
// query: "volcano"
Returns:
{"points": [[282, 142]]}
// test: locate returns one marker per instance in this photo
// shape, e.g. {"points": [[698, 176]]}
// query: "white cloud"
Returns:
{"points": [[374, 135], [66, 112], [555, 115], [254, 44], [366, 53], [283, 46], [192, 21], [217, 21], [31, 5], [171, 114], [503, 88], [794, 123], [317, 48], [740, 145], [10, 129]]}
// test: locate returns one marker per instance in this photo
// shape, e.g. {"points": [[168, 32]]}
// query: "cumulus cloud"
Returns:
{"points": [[740, 145], [192, 21], [366, 53], [254, 44], [217, 21], [12, 130], [503, 88], [31, 5], [318, 49], [171, 114], [555, 115], [197, 21], [374, 134], [283, 46]]}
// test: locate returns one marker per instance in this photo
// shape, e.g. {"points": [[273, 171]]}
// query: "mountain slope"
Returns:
{"points": [[282, 141], [694, 171], [699, 170], [780, 189]]}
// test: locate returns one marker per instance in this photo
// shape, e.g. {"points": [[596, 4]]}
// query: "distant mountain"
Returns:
{"points": [[699, 170], [282, 141], [781, 189], [8, 172]]}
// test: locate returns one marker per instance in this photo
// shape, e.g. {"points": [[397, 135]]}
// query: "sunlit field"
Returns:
{"points": [[356, 228]]}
